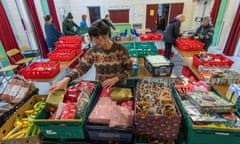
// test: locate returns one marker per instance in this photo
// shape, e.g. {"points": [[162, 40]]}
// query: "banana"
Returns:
{"points": [[31, 118], [40, 104], [34, 130], [20, 136], [29, 131], [20, 132], [17, 123], [29, 112]]}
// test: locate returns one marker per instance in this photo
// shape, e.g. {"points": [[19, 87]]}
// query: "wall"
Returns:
{"points": [[192, 8], [137, 8]]}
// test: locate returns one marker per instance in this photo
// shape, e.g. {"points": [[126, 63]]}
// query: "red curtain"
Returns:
{"points": [[175, 9], [6, 34], [233, 35], [53, 13], [37, 27], [214, 12]]}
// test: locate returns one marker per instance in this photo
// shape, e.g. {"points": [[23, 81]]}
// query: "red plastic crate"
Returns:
{"points": [[218, 60], [189, 44], [156, 36], [62, 54], [69, 44], [41, 70], [145, 37], [71, 38]]}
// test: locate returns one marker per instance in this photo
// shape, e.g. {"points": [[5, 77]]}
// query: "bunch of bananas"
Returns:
{"points": [[24, 127]]}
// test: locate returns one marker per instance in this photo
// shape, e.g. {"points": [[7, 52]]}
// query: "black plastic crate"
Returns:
{"points": [[105, 133], [163, 70], [62, 141], [5, 115]]}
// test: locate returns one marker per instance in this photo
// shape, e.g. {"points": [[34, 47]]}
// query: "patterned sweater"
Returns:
{"points": [[109, 63]]}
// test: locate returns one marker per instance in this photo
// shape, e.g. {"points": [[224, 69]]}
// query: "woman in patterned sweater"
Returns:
{"points": [[112, 60]]}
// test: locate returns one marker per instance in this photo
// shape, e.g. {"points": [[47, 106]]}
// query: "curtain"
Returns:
{"points": [[214, 12], [6, 34], [233, 35], [53, 13], [37, 27], [175, 9]]}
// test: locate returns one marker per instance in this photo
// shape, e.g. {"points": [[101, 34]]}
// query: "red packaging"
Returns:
{"points": [[106, 92], [69, 111]]}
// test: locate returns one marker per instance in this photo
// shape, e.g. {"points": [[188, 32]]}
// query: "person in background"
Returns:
{"points": [[205, 32], [112, 60], [171, 33], [83, 23], [160, 24], [51, 32], [107, 20], [68, 25]]}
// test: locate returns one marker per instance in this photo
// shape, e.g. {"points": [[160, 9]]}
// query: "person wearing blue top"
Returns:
{"points": [[52, 34], [83, 23]]}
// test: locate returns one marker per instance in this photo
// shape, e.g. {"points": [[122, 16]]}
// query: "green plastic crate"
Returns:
{"points": [[129, 45], [190, 135], [64, 129]]}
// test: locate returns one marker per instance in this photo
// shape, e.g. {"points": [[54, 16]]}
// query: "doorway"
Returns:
{"points": [[167, 11], [94, 13]]}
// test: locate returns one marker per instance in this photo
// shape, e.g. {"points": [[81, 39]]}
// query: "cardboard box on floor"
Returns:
{"points": [[8, 125]]}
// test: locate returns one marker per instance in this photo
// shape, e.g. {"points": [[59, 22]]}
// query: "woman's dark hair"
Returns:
{"points": [[98, 28], [47, 18]]}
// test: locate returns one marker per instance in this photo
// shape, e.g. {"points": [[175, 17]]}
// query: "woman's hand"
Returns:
{"points": [[110, 82], [60, 84]]}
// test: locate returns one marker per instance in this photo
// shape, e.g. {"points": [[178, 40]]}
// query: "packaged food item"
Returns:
{"points": [[53, 99], [121, 94], [82, 102], [16, 90]]}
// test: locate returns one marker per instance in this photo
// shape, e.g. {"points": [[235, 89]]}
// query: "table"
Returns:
{"points": [[44, 83], [144, 73], [141, 31], [188, 53], [222, 89]]}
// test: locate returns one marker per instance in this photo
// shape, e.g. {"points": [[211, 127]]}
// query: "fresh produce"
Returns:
{"points": [[24, 127]]}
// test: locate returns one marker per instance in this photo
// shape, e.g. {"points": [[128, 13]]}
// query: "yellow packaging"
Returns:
{"points": [[53, 99]]}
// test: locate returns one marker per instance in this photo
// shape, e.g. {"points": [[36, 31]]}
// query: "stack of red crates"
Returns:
{"points": [[218, 60], [67, 48], [189, 44]]}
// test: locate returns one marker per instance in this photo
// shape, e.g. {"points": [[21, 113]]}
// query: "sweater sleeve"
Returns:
{"points": [[127, 66], [83, 66]]}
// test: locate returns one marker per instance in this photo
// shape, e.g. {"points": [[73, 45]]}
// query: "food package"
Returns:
{"points": [[121, 94], [105, 92], [16, 90], [121, 117], [53, 99], [210, 101], [102, 112]]}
